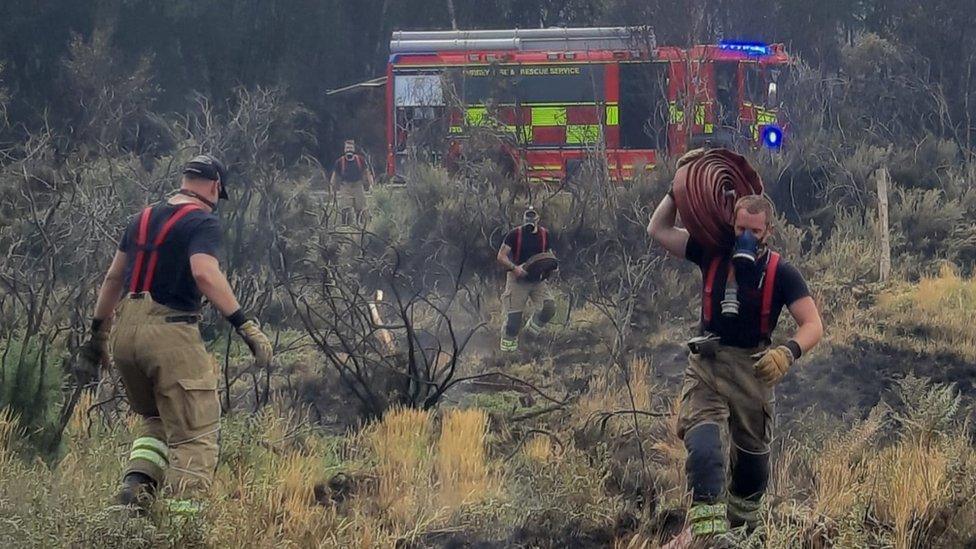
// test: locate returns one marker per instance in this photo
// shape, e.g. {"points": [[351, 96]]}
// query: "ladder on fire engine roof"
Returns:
{"points": [[551, 39]]}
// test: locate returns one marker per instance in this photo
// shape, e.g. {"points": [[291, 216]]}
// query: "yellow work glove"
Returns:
{"points": [[773, 364], [259, 344]]}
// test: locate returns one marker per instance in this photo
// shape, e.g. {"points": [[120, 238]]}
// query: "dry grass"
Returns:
{"points": [[607, 394], [943, 305], [670, 455], [424, 472], [402, 446], [462, 465], [539, 449], [903, 477], [856, 489], [840, 467], [8, 431], [913, 486]]}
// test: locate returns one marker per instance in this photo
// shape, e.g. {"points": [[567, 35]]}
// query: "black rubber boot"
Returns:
{"points": [[138, 492]]}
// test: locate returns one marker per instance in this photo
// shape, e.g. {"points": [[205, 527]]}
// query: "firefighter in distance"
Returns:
{"points": [[527, 255]]}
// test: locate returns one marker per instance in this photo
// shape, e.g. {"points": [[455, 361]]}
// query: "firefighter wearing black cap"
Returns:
{"points": [[527, 256], [166, 261], [726, 405]]}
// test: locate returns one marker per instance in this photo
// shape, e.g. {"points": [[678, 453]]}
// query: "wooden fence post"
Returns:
{"points": [[883, 177]]}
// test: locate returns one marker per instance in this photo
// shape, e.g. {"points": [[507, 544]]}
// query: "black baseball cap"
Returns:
{"points": [[209, 167]]}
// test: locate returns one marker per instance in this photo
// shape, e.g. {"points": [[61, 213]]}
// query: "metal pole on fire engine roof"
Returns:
{"points": [[883, 177]]}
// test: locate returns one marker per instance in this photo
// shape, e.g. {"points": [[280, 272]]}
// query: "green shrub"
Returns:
{"points": [[30, 386]]}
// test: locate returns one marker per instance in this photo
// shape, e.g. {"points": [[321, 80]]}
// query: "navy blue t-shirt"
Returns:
{"points": [[196, 233], [744, 330], [531, 244], [350, 171]]}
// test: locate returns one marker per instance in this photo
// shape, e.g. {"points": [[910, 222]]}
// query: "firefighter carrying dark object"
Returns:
{"points": [[351, 178], [727, 397], [527, 256], [166, 261]]}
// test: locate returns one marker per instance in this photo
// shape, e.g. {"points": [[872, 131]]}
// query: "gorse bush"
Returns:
{"points": [[30, 390], [930, 225]]}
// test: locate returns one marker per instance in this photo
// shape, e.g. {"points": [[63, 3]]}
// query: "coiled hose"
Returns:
{"points": [[706, 187]]}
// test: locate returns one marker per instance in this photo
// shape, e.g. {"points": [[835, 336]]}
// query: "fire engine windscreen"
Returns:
{"points": [[418, 90]]}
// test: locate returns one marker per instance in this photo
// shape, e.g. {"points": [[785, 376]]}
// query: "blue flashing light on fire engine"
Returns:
{"points": [[748, 48], [772, 137]]}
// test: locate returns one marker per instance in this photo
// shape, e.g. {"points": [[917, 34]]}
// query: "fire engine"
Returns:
{"points": [[563, 95]]}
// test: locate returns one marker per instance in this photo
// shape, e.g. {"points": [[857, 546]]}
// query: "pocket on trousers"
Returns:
{"points": [[200, 404]]}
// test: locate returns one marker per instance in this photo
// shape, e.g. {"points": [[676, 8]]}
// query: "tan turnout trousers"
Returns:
{"points": [[725, 390], [171, 381], [351, 199], [725, 419], [514, 299]]}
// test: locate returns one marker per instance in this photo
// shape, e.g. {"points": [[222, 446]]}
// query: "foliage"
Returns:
{"points": [[30, 390], [100, 103], [415, 475]]}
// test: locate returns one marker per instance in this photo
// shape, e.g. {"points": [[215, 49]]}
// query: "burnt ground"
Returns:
{"points": [[840, 381], [835, 385]]}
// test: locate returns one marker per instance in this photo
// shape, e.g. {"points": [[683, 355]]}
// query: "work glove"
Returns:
{"points": [[259, 344], [94, 352], [772, 364]]}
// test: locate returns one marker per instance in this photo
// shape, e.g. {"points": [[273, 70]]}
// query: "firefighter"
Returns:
{"points": [[527, 256], [351, 178], [727, 399], [166, 260]]}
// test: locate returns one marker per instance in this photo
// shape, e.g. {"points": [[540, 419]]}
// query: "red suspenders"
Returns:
{"points": [[769, 284], [517, 252], [767, 296], [342, 160], [153, 249], [709, 286]]}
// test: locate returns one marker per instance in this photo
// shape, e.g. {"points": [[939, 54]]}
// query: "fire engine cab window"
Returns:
{"points": [[755, 88], [643, 105], [533, 84], [726, 93], [421, 90]]}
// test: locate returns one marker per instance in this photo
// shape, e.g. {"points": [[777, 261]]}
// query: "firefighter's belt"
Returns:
{"points": [[540, 266]]}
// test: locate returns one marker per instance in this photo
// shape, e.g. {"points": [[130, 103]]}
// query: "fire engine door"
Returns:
{"points": [[643, 105]]}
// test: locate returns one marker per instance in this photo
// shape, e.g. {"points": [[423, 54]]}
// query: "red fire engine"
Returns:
{"points": [[561, 95]]}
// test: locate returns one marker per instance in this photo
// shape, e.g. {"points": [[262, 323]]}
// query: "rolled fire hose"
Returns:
{"points": [[540, 266], [706, 187]]}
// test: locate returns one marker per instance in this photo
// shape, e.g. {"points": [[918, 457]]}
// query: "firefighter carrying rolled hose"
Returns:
{"points": [[527, 255], [727, 396]]}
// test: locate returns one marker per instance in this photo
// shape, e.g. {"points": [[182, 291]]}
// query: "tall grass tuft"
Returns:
{"points": [[401, 443], [8, 431], [462, 468], [840, 467], [913, 486]]}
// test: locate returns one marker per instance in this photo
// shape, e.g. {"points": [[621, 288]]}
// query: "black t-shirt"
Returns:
{"points": [[744, 330], [350, 171], [172, 285], [531, 244]]}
